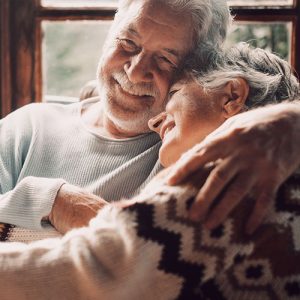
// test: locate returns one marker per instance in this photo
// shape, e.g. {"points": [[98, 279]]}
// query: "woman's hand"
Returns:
{"points": [[253, 154], [73, 208]]}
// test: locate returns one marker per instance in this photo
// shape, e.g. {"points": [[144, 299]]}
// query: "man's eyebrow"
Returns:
{"points": [[173, 52], [133, 31]]}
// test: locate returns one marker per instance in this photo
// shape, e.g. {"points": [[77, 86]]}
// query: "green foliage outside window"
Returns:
{"points": [[273, 37]]}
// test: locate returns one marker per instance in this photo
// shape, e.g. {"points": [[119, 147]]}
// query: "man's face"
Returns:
{"points": [[146, 46]]}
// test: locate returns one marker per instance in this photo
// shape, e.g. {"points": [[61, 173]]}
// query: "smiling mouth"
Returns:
{"points": [[165, 129], [137, 95]]}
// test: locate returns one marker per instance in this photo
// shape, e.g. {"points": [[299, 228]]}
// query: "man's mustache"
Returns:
{"points": [[138, 89]]}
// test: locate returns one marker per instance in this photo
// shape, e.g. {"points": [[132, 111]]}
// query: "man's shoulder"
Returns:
{"points": [[90, 101], [37, 115], [44, 109], [49, 107]]}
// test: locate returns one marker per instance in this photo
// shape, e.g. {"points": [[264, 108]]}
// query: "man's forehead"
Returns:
{"points": [[175, 40], [133, 30]]}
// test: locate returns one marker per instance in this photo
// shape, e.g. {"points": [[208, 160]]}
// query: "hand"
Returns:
{"points": [[253, 153], [73, 208]]}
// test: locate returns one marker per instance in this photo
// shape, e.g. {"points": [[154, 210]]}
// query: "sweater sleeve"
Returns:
{"points": [[29, 202], [106, 260], [23, 202]]}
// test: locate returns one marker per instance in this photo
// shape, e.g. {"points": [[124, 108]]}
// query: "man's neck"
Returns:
{"points": [[96, 119]]}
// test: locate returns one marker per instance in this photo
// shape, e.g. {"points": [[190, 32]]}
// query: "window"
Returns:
{"points": [[261, 3], [50, 48], [70, 51], [273, 36], [80, 3]]}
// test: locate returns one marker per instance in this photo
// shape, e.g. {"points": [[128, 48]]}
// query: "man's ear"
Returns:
{"points": [[236, 94]]}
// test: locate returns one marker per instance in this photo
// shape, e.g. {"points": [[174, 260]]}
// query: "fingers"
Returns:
{"points": [[236, 192], [215, 183], [196, 158], [186, 166], [261, 209]]}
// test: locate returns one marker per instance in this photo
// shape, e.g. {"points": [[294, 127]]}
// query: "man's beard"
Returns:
{"points": [[125, 118]]}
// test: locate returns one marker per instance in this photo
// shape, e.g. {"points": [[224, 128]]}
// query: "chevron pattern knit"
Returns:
{"points": [[225, 263], [4, 231], [154, 251]]}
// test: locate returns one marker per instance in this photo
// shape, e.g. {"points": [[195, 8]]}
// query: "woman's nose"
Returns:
{"points": [[156, 122]]}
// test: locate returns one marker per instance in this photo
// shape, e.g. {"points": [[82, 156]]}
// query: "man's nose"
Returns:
{"points": [[156, 122], [139, 68]]}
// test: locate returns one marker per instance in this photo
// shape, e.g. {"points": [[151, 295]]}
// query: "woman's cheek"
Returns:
{"points": [[166, 156], [170, 150]]}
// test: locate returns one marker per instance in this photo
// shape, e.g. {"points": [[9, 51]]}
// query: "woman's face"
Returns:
{"points": [[191, 114]]}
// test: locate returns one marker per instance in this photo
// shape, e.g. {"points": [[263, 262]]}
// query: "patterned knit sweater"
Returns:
{"points": [[151, 250], [44, 145]]}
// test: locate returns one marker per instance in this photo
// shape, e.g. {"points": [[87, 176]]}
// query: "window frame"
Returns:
{"points": [[277, 15], [21, 42]]}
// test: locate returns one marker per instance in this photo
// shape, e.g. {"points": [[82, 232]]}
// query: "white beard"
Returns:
{"points": [[126, 120], [133, 122]]}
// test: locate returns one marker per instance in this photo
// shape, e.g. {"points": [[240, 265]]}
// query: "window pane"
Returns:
{"points": [[110, 3], [260, 3], [71, 50], [274, 37], [80, 3]]}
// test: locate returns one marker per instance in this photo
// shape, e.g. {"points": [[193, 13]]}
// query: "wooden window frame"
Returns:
{"points": [[21, 42], [277, 15]]}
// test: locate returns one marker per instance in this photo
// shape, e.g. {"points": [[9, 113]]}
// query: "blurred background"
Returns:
{"points": [[69, 34]]}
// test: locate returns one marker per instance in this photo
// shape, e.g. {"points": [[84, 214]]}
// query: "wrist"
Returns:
{"points": [[56, 206]]}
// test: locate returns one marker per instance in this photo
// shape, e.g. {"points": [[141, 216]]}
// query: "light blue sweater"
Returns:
{"points": [[44, 145]]}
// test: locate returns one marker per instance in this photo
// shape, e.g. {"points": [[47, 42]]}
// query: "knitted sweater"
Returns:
{"points": [[44, 145], [152, 250]]}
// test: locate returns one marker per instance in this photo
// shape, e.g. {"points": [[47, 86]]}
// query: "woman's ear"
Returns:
{"points": [[236, 94]]}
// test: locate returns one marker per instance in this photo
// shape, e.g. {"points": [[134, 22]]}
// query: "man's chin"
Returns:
{"points": [[132, 122], [129, 118]]}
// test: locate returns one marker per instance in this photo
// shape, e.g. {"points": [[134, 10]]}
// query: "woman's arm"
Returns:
{"points": [[106, 260], [151, 249], [256, 152]]}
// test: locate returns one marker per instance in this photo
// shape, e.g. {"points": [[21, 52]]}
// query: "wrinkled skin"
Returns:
{"points": [[253, 154], [74, 208]]}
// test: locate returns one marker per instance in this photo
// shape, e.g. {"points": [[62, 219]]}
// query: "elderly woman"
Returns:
{"points": [[241, 79], [148, 247]]}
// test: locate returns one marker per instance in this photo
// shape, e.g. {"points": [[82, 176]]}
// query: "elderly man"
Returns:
{"points": [[104, 146]]}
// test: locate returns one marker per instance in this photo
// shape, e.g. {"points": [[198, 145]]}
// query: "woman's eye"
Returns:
{"points": [[163, 58], [172, 93]]}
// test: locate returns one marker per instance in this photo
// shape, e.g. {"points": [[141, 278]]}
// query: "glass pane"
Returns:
{"points": [[113, 3], [79, 3], [274, 37], [260, 3], [71, 50]]}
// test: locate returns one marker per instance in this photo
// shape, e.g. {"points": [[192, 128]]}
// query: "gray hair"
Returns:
{"points": [[270, 78], [210, 19]]}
